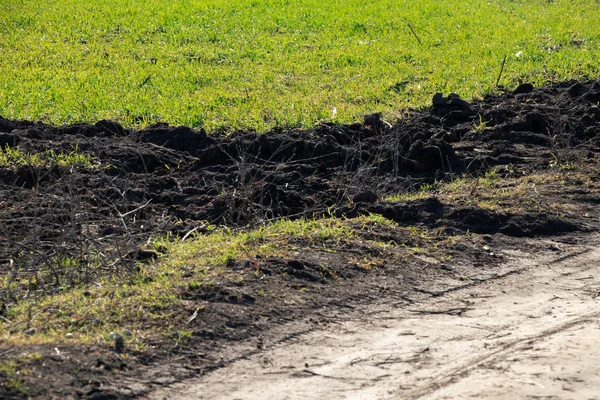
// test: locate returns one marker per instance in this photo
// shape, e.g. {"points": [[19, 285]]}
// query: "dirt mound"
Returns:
{"points": [[130, 185], [175, 178]]}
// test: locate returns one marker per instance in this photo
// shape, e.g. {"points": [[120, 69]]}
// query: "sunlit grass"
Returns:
{"points": [[258, 64], [510, 191], [152, 297], [150, 303], [14, 157]]}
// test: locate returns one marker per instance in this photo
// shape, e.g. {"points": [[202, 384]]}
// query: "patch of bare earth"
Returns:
{"points": [[529, 331]]}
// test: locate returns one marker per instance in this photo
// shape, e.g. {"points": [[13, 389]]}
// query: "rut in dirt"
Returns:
{"points": [[507, 336]]}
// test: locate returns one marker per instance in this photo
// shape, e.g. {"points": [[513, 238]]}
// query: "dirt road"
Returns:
{"points": [[530, 333]]}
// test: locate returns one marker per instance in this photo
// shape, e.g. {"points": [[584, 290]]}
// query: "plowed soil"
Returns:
{"points": [[179, 180], [189, 176]]}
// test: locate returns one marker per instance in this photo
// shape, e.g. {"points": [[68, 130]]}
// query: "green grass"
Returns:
{"points": [[150, 304], [14, 157], [511, 191], [258, 64], [151, 300]]}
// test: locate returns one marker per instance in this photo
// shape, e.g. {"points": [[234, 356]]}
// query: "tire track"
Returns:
{"points": [[403, 354]]}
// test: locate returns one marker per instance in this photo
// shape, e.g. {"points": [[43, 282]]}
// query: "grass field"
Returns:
{"points": [[226, 65]]}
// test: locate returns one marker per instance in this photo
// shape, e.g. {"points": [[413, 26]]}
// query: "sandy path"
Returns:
{"points": [[530, 334]]}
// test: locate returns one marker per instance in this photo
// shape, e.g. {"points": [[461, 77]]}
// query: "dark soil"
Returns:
{"points": [[176, 180]]}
